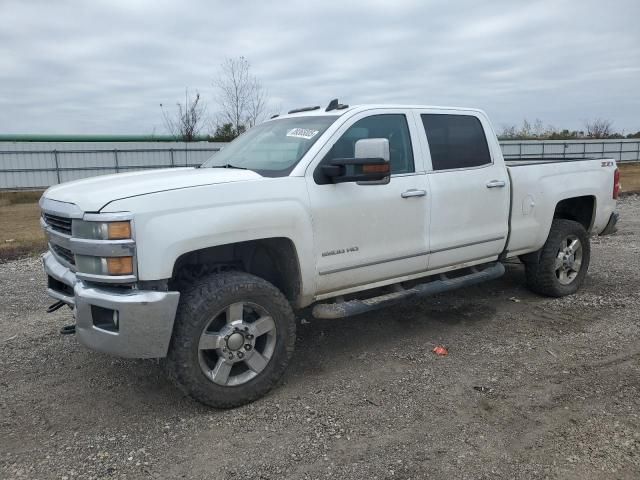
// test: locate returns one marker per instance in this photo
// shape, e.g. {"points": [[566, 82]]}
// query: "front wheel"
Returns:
{"points": [[564, 260], [233, 337]]}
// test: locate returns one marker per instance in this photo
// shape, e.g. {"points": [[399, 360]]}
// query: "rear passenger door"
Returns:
{"points": [[469, 188]]}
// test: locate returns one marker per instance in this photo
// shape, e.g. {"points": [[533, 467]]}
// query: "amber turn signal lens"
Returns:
{"points": [[384, 168], [120, 265], [119, 230]]}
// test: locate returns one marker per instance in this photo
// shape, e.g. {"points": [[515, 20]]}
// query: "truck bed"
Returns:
{"points": [[544, 160], [539, 184]]}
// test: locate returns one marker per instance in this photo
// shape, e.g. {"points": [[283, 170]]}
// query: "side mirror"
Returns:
{"points": [[370, 165]]}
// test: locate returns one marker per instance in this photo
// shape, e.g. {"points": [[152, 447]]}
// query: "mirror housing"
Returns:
{"points": [[370, 165]]}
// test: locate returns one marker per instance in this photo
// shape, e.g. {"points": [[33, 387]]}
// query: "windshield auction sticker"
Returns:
{"points": [[302, 133]]}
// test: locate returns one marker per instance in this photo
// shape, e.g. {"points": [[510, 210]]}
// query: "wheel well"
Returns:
{"points": [[273, 259], [578, 209]]}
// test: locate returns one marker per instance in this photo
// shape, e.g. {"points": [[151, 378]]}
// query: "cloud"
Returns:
{"points": [[105, 66]]}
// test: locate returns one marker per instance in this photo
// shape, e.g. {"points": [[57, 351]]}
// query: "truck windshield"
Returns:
{"points": [[272, 148]]}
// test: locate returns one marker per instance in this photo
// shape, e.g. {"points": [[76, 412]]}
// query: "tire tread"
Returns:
{"points": [[201, 297], [540, 276]]}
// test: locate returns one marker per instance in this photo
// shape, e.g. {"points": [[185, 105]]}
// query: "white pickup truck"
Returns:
{"points": [[347, 208]]}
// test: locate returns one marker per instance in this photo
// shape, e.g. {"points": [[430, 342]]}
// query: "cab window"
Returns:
{"points": [[455, 141], [393, 127]]}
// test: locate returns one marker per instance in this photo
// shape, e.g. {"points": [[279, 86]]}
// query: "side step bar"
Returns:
{"points": [[355, 307]]}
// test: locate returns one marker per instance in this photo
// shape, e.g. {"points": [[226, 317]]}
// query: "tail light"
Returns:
{"points": [[616, 184]]}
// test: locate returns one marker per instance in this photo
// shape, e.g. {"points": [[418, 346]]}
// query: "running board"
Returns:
{"points": [[355, 307]]}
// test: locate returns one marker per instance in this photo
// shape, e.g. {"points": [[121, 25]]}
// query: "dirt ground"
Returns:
{"points": [[20, 231], [630, 176], [532, 388]]}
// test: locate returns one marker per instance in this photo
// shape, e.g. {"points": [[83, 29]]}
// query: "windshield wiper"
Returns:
{"points": [[228, 165]]}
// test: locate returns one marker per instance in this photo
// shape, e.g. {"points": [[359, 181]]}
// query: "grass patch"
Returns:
{"points": [[630, 176], [19, 196], [20, 232]]}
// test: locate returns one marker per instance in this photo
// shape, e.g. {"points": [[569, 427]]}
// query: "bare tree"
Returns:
{"points": [[188, 120], [242, 99], [525, 130], [508, 132], [598, 128], [538, 128], [257, 103], [234, 87]]}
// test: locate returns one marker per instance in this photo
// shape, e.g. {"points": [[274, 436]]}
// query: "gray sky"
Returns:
{"points": [[104, 66]]}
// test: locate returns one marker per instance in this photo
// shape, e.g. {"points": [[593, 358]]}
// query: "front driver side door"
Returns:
{"points": [[370, 233]]}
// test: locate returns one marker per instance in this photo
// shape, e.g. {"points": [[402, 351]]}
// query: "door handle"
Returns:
{"points": [[413, 193], [496, 184]]}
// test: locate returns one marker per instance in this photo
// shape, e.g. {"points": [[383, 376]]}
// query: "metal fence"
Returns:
{"points": [[622, 150], [41, 164]]}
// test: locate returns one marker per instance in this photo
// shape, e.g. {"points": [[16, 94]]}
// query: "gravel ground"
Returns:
{"points": [[532, 388]]}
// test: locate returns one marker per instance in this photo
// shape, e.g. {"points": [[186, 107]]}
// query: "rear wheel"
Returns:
{"points": [[564, 260], [234, 334]]}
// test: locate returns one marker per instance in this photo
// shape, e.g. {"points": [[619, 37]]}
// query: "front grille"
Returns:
{"points": [[63, 253], [59, 224]]}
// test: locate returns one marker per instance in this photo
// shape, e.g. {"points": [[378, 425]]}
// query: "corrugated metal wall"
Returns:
{"points": [[623, 150], [40, 164]]}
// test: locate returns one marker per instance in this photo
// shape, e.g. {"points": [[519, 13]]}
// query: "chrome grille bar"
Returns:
{"points": [[58, 223]]}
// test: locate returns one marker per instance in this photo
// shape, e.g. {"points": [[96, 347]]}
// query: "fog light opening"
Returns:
{"points": [[105, 318]]}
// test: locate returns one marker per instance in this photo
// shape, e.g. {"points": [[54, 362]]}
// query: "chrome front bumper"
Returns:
{"points": [[144, 318]]}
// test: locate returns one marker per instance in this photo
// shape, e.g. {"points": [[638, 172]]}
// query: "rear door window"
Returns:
{"points": [[455, 141]]}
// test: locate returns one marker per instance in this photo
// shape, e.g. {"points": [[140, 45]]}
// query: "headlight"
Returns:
{"points": [[103, 248], [104, 265], [101, 230]]}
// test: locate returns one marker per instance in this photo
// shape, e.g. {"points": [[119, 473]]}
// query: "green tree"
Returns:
{"points": [[226, 132]]}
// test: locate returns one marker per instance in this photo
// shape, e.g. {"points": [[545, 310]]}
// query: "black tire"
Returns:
{"points": [[542, 277], [198, 305]]}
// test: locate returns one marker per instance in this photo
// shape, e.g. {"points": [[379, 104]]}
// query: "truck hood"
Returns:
{"points": [[92, 194]]}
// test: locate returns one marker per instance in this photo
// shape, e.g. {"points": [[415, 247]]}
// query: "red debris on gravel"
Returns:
{"points": [[441, 351]]}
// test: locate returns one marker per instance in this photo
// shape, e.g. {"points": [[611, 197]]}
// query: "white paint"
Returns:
{"points": [[372, 226]]}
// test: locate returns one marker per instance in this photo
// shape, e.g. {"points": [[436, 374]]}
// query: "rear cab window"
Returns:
{"points": [[455, 141]]}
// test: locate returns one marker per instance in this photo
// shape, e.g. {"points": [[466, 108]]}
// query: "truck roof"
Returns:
{"points": [[358, 108]]}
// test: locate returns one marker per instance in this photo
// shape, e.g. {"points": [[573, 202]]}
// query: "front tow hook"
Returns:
{"points": [[55, 306], [68, 330]]}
